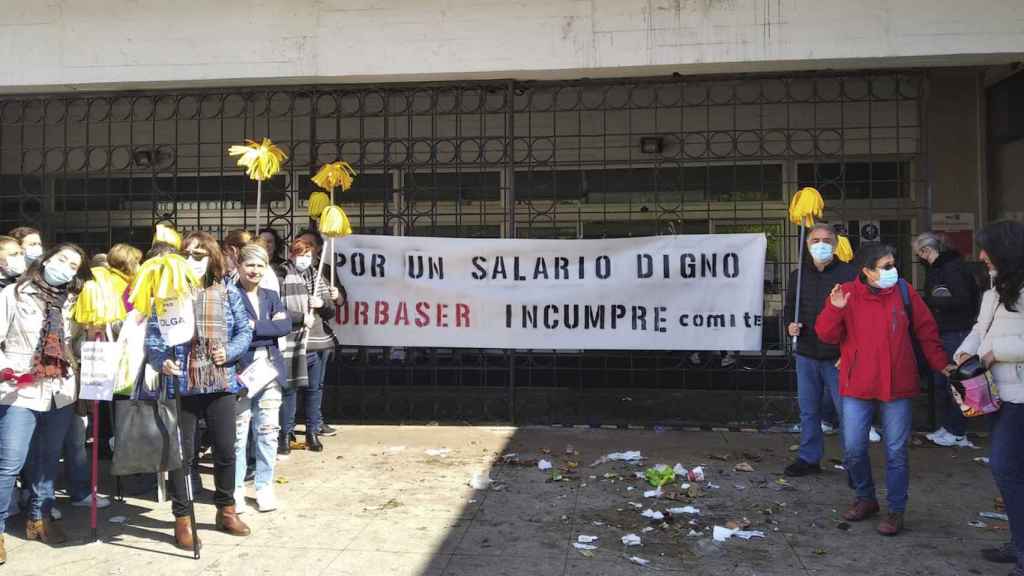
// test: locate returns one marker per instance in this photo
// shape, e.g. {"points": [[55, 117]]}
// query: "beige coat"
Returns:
{"points": [[21, 323], [1000, 332]]}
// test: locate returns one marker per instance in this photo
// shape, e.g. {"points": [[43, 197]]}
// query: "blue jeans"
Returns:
{"points": [[949, 414], [43, 432], [813, 378], [77, 473], [261, 414], [896, 418], [1007, 462], [315, 364]]}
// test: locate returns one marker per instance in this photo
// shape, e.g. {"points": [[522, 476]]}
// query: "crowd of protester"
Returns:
{"points": [[863, 338], [259, 300]]}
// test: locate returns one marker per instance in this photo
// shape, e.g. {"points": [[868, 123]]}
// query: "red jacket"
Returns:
{"points": [[876, 354]]}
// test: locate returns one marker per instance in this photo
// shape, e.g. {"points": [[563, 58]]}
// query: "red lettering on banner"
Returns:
{"points": [[462, 315], [422, 314], [380, 312], [402, 314], [385, 313], [362, 313]]}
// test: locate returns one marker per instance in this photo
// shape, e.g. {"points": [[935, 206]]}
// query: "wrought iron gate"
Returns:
{"points": [[571, 159]]}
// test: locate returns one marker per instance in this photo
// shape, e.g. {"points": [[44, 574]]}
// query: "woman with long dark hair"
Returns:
{"points": [[202, 371], [998, 338], [868, 318], [37, 381]]}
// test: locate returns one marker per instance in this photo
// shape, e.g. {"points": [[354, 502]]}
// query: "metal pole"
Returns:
{"points": [[95, 464], [799, 281]]}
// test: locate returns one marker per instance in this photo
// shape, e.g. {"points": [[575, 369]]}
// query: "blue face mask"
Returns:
{"points": [[57, 273], [888, 278], [821, 251]]}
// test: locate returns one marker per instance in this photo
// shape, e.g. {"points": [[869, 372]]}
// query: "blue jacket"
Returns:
{"points": [[239, 337], [267, 330]]}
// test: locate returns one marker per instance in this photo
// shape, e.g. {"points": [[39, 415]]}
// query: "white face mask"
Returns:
{"points": [[32, 253], [199, 266], [15, 265], [302, 263]]}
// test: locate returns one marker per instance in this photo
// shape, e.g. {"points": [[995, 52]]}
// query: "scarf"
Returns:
{"points": [[50, 359], [211, 335], [296, 301]]}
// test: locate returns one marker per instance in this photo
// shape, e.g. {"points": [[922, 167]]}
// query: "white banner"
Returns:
{"points": [[690, 292]]}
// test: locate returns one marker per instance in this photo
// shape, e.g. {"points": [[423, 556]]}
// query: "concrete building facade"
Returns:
{"points": [[522, 119]]}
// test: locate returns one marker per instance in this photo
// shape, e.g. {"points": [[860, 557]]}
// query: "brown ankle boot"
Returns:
{"points": [[45, 531], [228, 521], [183, 534], [891, 525]]}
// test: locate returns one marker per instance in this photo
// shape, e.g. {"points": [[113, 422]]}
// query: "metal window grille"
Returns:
{"points": [[570, 159]]}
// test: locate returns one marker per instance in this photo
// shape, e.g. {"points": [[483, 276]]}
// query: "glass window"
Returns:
{"points": [[452, 186], [857, 180]]}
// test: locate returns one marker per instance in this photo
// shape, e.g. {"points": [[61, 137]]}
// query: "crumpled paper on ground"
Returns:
{"points": [[631, 540], [721, 534]]}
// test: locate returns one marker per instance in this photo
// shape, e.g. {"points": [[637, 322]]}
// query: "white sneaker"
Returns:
{"points": [[265, 499], [55, 513], [940, 432], [240, 506], [828, 428], [874, 436], [949, 440], [101, 502]]}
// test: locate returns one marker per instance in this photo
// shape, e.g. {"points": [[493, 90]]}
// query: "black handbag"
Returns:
{"points": [[146, 436]]}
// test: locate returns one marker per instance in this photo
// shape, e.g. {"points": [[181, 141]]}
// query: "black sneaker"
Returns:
{"points": [[284, 448], [1005, 554], [801, 468], [326, 430]]}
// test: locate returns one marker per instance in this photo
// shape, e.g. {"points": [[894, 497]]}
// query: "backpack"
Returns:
{"points": [[923, 369]]}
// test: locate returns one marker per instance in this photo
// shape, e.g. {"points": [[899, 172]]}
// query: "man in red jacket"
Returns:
{"points": [[878, 371]]}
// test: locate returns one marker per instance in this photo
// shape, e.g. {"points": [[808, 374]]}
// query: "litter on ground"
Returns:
{"points": [[652, 514], [631, 540], [639, 560], [438, 452]]}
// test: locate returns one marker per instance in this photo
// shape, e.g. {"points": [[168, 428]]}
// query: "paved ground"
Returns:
{"points": [[374, 503]]}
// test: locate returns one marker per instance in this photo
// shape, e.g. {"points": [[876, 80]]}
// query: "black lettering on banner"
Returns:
{"points": [[499, 268], [684, 320], [698, 320], [659, 318], [593, 317], [561, 268], [480, 273], [639, 318], [604, 267], [708, 265], [516, 274], [540, 269], [551, 316], [377, 265], [581, 267], [716, 320], [508, 315], [618, 313], [644, 266], [731, 265], [436, 267], [746, 319], [665, 266], [687, 265], [358, 265], [530, 316], [571, 321]]}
